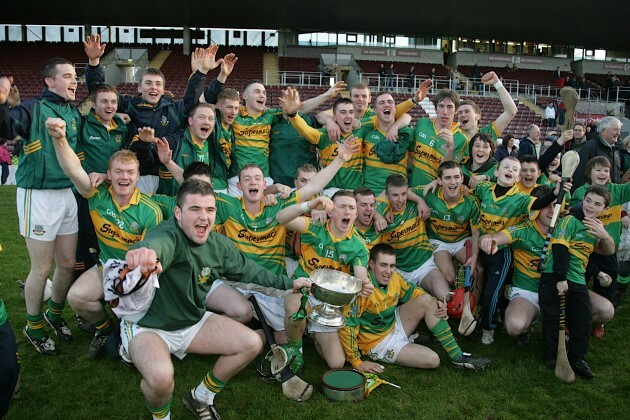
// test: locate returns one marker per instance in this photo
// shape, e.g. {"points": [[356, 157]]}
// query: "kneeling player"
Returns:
{"points": [[378, 328]]}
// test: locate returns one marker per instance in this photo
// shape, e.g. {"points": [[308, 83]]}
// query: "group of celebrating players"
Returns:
{"points": [[180, 192]]}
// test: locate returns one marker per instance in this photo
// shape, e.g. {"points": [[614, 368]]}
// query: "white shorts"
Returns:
{"points": [[517, 292], [272, 307], [314, 327], [416, 276], [450, 247], [177, 341], [148, 184], [388, 349], [44, 214], [214, 286], [233, 186]]}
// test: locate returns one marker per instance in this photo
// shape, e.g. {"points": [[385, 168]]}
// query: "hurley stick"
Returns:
{"points": [[563, 368], [570, 99], [467, 323], [570, 162]]}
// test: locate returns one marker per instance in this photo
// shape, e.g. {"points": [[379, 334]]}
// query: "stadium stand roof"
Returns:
{"points": [[582, 23]]}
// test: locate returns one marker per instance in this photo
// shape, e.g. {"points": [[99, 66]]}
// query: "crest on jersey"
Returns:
{"points": [[204, 276]]}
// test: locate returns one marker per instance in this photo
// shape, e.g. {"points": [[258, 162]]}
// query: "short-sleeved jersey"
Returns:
{"points": [[497, 214], [350, 176], [407, 234], [527, 241], [610, 217], [258, 236], [429, 150], [375, 171], [117, 228], [252, 135], [321, 249], [450, 222], [370, 236], [370, 319], [572, 233]]}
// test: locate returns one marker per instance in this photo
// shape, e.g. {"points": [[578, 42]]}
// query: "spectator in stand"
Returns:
{"points": [[584, 86], [5, 160], [579, 136], [557, 74], [433, 75], [608, 130], [506, 148], [591, 130], [411, 78], [530, 145], [382, 73], [454, 77], [562, 111], [391, 74], [476, 77], [550, 115]]}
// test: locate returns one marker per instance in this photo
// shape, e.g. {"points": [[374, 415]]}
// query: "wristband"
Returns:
{"points": [[292, 115], [305, 207], [498, 84], [414, 100]]}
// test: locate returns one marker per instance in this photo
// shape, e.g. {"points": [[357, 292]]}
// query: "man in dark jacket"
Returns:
{"points": [[527, 145], [609, 129]]}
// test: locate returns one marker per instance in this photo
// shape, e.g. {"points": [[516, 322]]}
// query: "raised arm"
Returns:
{"points": [[311, 105], [292, 218], [509, 107], [68, 159], [165, 154]]}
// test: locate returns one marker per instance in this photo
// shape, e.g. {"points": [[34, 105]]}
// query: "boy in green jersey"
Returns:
{"points": [[364, 223], [575, 238], [189, 257], [121, 216], [47, 209]]}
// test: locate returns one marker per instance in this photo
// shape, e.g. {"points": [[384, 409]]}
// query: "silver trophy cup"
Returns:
{"points": [[334, 289]]}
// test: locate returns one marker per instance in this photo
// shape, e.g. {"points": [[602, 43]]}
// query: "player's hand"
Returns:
{"points": [[595, 227], [565, 137], [336, 89], [301, 282], [367, 289], [604, 279], [5, 88], [227, 66], [440, 310], [319, 217], [125, 117], [283, 191], [422, 91], [392, 134], [165, 154], [94, 49], [489, 78], [488, 244], [169, 94], [370, 367], [356, 124], [446, 135], [56, 128], [555, 178], [97, 179], [208, 61], [14, 96], [625, 222], [290, 101], [380, 223], [145, 258], [562, 287], [430, 187], [147, 134], [423, 209], [333, 130], [321, 203], [270, 200], [475, 180], [349, 147]]}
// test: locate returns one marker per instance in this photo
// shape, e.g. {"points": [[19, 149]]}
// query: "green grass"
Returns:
{"points": [[517, 385]]}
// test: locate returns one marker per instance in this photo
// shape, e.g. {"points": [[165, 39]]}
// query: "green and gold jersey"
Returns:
{"points": [[610, 217], [408, 235], [370, 236], [572, 233], [252, 134], [370, 319], [497, 214], [486, 169], [450, 222], [98, 143], [489, 129], [321, 249], [224, 136], [429, 150], [258, 236], [527, 241], [375, 171], [117, 228], [350, 176]]}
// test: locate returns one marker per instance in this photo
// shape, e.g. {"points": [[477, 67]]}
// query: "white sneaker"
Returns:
{"points": [[488, 337]]}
